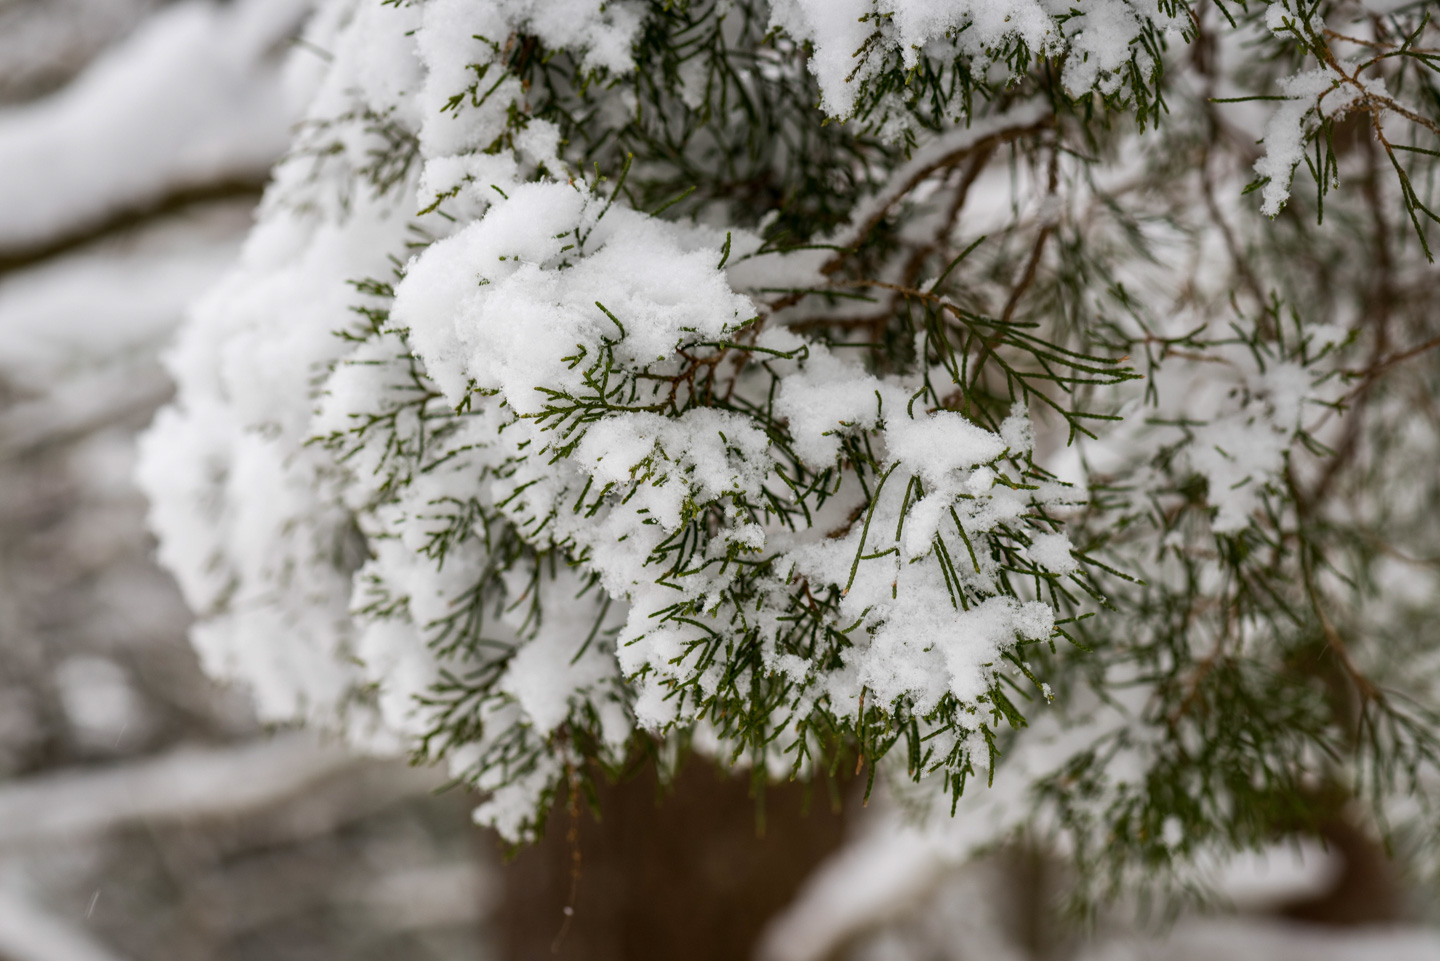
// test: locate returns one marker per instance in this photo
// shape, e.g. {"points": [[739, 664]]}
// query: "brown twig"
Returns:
{"points": [[893, 194]]}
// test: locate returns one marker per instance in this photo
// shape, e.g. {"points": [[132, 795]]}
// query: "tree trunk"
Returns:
{"points": [[666, 874]]}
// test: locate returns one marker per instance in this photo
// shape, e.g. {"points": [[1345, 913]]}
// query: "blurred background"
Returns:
{"points": [[144, 814]]}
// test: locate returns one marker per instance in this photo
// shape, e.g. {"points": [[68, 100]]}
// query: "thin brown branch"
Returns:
{"points": [[922, 167], [1371, 374]]}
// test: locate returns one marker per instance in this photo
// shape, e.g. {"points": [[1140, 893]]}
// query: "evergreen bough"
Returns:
{"points": [[878, 387]]}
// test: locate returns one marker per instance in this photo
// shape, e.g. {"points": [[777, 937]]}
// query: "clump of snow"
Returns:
{"points": [[1101, 48], [501, 307], [1241, 451], [940, 444], [1053, 552], [1289, 128]]}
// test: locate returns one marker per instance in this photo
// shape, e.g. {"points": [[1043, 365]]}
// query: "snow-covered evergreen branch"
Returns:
{"points": [[585, 390]]}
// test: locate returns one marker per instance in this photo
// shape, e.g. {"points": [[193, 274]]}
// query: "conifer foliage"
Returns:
{"points": [[949, 391]]}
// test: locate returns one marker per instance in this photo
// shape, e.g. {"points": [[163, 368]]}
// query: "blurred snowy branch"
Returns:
{"points": [[93, 403], [185, 784], [189, 106]]}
